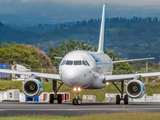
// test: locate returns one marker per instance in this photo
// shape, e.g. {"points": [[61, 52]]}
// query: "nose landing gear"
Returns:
{"points": [[77, 100]]}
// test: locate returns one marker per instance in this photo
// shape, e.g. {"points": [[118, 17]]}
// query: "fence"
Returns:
{"points": [[111, 97], [15, 95]]}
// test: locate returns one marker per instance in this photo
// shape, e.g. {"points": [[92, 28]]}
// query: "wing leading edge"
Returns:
{"points": [[113, 78], [36, 74]]}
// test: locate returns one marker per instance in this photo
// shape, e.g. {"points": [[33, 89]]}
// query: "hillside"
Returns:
{"points": [[133, 38], [19, 36]]}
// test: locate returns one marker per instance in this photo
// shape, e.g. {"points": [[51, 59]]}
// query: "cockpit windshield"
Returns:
{"points": [[69, 62], [87, 63], [84, 63], [63, 62], [76, 62], [79, 62]]}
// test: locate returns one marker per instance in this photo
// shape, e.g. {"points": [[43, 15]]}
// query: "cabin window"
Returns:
{"points": [[69, 62], [78, 62]]}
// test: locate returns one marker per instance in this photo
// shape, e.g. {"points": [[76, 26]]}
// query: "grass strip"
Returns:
{"points": [[111, 116]]}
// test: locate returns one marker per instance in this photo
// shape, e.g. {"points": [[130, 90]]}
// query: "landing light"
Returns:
{"points": [[75, 89], [107, 83], [79, 89]]}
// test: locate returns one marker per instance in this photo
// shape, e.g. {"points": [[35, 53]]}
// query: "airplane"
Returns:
{"points": [[87, 70]]}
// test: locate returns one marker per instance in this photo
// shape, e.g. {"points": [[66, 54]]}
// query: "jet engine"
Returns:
{"points": [[135, 89], [32, 87]]}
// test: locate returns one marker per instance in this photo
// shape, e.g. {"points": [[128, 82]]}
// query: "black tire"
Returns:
{"points": [[118, 99], [74, 101], [51, 98], [126, 99], [79, 101], [59, 99]]}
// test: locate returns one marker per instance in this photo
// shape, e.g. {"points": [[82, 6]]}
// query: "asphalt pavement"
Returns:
{"points": [[67, 109]]}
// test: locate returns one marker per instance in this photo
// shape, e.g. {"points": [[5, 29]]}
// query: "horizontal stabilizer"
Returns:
{"points": [[132, 60], [58, 57]]}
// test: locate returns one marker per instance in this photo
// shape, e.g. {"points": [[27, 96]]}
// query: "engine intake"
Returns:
{"points": [[135, 89], [32, 87]]}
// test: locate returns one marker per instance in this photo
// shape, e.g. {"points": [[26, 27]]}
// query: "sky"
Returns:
{"points": [[92, 2], [55, 11]]}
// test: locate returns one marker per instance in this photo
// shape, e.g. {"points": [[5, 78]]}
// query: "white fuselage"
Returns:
{"points": [[85, 69]]}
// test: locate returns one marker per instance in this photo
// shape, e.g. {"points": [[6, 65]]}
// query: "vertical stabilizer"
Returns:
{"points": [[101, 38]]}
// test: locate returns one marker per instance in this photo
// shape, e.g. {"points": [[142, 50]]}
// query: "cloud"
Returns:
{"points": [[93, 2], [2, 1]]}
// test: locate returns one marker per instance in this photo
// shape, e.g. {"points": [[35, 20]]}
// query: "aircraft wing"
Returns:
{"points": [[131, 60], [36, 74], [113, 78]]}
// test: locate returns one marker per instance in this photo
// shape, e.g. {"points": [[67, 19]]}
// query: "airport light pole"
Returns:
{"points": [[159, 64], [113, 51], [147, 69]]}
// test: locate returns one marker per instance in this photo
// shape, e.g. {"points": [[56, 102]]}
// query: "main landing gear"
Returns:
{"points": [[55, 96], [118, 97], [77, 100]]}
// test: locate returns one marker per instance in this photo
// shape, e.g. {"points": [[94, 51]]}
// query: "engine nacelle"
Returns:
{"points": [[135, 89], [32, 87]]}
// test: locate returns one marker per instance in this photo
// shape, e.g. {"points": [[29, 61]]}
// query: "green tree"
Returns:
{"points": [[150, 69], [43, 59], [122, 68], [10, 52]]}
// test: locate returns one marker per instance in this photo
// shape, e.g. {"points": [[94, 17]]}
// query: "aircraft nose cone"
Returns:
{"points": [[72, 76], [76, 77]]}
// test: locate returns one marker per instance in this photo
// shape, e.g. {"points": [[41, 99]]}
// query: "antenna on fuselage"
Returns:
{"points": [[101, 38]]}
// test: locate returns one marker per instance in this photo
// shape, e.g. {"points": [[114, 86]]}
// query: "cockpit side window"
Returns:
{"points": [[69, 62], [84, 63], [87, 63], [63, 62], [78, 62]]}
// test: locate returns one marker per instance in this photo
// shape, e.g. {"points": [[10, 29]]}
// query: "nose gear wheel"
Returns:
{"points": [[77, 100]]}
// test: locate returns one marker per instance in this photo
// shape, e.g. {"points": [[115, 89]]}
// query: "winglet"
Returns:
{"points": [[101, 38]]}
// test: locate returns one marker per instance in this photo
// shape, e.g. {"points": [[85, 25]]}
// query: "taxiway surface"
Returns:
{"points": [[67, 109]]}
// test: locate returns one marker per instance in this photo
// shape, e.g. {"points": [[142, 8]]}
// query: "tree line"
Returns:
{"points": [[134, 38]]}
